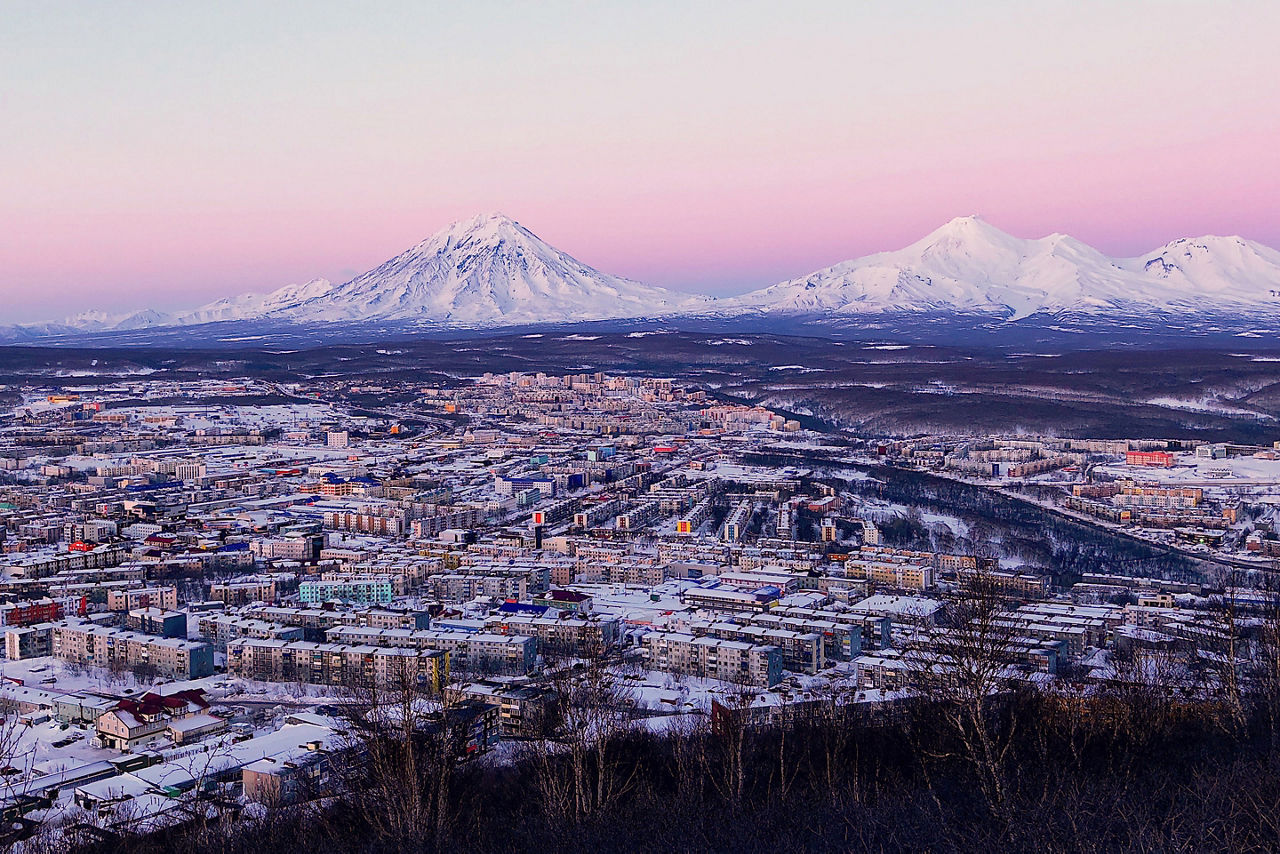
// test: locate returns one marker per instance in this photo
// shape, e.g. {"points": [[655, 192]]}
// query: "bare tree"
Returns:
{"points": [[16, 762], [144, 672], [581, 774], [1263, 674], [1220, 652], [690, 764], [835, 737], [1145, 688], [116, 670], [403, 748], [205, 807], [730, 729], [961, 669]]}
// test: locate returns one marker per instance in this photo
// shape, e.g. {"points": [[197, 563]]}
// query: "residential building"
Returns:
{"points": [[108, 646], [726, 660]]}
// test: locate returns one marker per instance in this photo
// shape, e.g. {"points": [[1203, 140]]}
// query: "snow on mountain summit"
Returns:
{"points": [[1225, 268], [253, 305], [966, 265], [99, 321], [491, 271], [249, 306], [484, 271], [970, 266]]}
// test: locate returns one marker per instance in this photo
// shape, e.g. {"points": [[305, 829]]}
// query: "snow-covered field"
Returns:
{"points": [[1207, 405], [1189, 469]]}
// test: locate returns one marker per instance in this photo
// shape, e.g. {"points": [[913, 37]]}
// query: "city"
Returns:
{"points": [[640, 428], [204, 593]]}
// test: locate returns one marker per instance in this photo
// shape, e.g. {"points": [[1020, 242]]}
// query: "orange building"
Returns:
{"points": [[1160, 459]]}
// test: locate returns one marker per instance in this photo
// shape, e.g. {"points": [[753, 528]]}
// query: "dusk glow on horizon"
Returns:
{"points": [[164, 155]]}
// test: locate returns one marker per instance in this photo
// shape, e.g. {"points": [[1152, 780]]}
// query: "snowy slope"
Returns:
{"points": [[248, 306], [1229, 270], [101, 321], [252, 306], [491, 271], [971, 266], [488, 271], [485, 271]]}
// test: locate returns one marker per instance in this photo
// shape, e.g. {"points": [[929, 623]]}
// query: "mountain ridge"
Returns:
{"points": [[970, 265], [490, 271]]}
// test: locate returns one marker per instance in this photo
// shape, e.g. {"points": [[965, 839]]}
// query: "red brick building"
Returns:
{"points": [[1160, 459], [41, 611]]}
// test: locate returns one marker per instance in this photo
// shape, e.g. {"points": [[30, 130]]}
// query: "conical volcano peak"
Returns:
{"points": [[488, 270]]}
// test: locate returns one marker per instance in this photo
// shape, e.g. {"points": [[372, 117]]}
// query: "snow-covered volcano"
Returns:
{"points": [[1230, 270], [488, 271], [970, 266]]}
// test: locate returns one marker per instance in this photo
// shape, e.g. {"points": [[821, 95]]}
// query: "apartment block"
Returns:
{"points": [[103, 646], [725, 600], [726, 660], [23, 642], [221, 629], [316, 621], [157, 621], [474, 652], [234, 593], [343, 664], [570, 635], [361, 590], [142, 597], [897, 575], [802, 652]]}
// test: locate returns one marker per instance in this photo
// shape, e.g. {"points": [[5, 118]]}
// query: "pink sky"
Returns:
{"points": [[165, 158]]}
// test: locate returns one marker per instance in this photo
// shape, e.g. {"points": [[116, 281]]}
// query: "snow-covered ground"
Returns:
{"points": [[1189, 469], [675, 695], [1207, 405]]}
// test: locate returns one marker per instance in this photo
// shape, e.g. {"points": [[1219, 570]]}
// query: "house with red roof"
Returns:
{"points": [[154, 718]]}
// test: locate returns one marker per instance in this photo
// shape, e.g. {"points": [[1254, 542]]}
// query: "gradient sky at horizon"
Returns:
{"points": [[165, 154]]}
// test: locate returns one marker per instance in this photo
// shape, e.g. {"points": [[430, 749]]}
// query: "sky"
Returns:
{"points": [[166, 154]]}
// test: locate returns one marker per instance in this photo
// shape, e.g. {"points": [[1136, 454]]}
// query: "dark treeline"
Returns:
{"points": [[1120, 770]]}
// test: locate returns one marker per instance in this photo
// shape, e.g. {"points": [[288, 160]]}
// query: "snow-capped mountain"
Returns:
{"points": [[252, 306], [488, 271], [1230, 269], [970, 266], [100, 321], [243, 307], [485, 271]]}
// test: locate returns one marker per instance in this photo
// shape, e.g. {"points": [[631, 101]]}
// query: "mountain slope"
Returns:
{"points": [[1229, 269], [488, 271], [252, 305], [970, 266], [101, 321]]}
